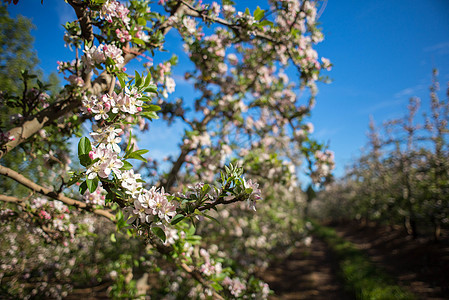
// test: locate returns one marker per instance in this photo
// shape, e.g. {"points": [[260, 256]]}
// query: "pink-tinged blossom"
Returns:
{"points": [[104, 165], [189, 24], [113, 164], [131, 184], [255, 193], [129, 101], [123, 35], [232, 58], [75, 80], [157, 201], [95, 198], [140, 211], [228, 10], [101, 111], [93, 56], [114, 52], [215, 7], [113, 9], [170, 83], [88, 103], [236, 287], [107, 135], [309, 127], [108, 10], [44, 215], [171, 235], [326, 64]]}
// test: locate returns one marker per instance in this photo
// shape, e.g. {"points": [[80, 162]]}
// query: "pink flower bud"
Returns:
{"points": [[91, 154]]}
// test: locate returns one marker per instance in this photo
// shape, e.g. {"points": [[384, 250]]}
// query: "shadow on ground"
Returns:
{"points": [[307, 273]]}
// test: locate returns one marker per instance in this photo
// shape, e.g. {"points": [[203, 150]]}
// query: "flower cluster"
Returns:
{"points": [[150, 203], [95, 56], [113, 10], [95, 198], [323, 165]]}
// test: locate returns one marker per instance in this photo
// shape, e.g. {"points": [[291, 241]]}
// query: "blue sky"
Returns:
{"points": [[383, 53]]}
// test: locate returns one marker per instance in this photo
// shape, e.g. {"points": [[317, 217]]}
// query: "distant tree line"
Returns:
{"points": [[402, 177]]}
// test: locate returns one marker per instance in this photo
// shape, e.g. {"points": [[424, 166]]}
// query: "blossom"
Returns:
{"points": [[255, 193], [130, 183], [114, 52], [95, 198], [189, 24]]}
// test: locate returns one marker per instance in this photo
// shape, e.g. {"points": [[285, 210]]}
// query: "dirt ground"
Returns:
{"points": [[307, 273], [421, 265]]}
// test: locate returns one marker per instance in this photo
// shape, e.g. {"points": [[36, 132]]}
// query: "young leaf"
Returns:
{"points": [[138, 79], [176, 219], [85, 160], [151, 89], [212, 218], [126, 166], [135, 155], [258, 13], [83, 188], [147, 80], [84, 146], [122, 78], [159, 232], [92, 184]]}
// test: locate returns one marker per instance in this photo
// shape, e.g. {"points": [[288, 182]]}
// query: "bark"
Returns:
{"points": [[48, 193]]}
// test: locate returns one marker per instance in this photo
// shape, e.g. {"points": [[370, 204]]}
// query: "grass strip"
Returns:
{"points": [[360, 276]]}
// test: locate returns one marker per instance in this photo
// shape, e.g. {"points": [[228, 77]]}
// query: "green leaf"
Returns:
{"points": [[92, 184], [135, 155], [150, 115], [259, 13], [138, 41], [216, 286], [85, 160], [174, 60], [122, 79], [265, 23], [126, 165], [83, 188], [84, 146], [129, 145], [176, 219], [138, 79], [113, 239], [151, 107], [191, 230], [151, 89], [212, 218], [159, 233], [142, 21], [142, 151], [206, 188], [147, 80]]}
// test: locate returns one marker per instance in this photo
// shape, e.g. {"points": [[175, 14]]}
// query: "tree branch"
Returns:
{"points": [[37, 122], [197, 276], [11, 199], [48, 193]]}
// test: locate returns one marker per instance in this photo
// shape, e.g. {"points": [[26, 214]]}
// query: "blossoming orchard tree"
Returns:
{"points": [[191, 230]]}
